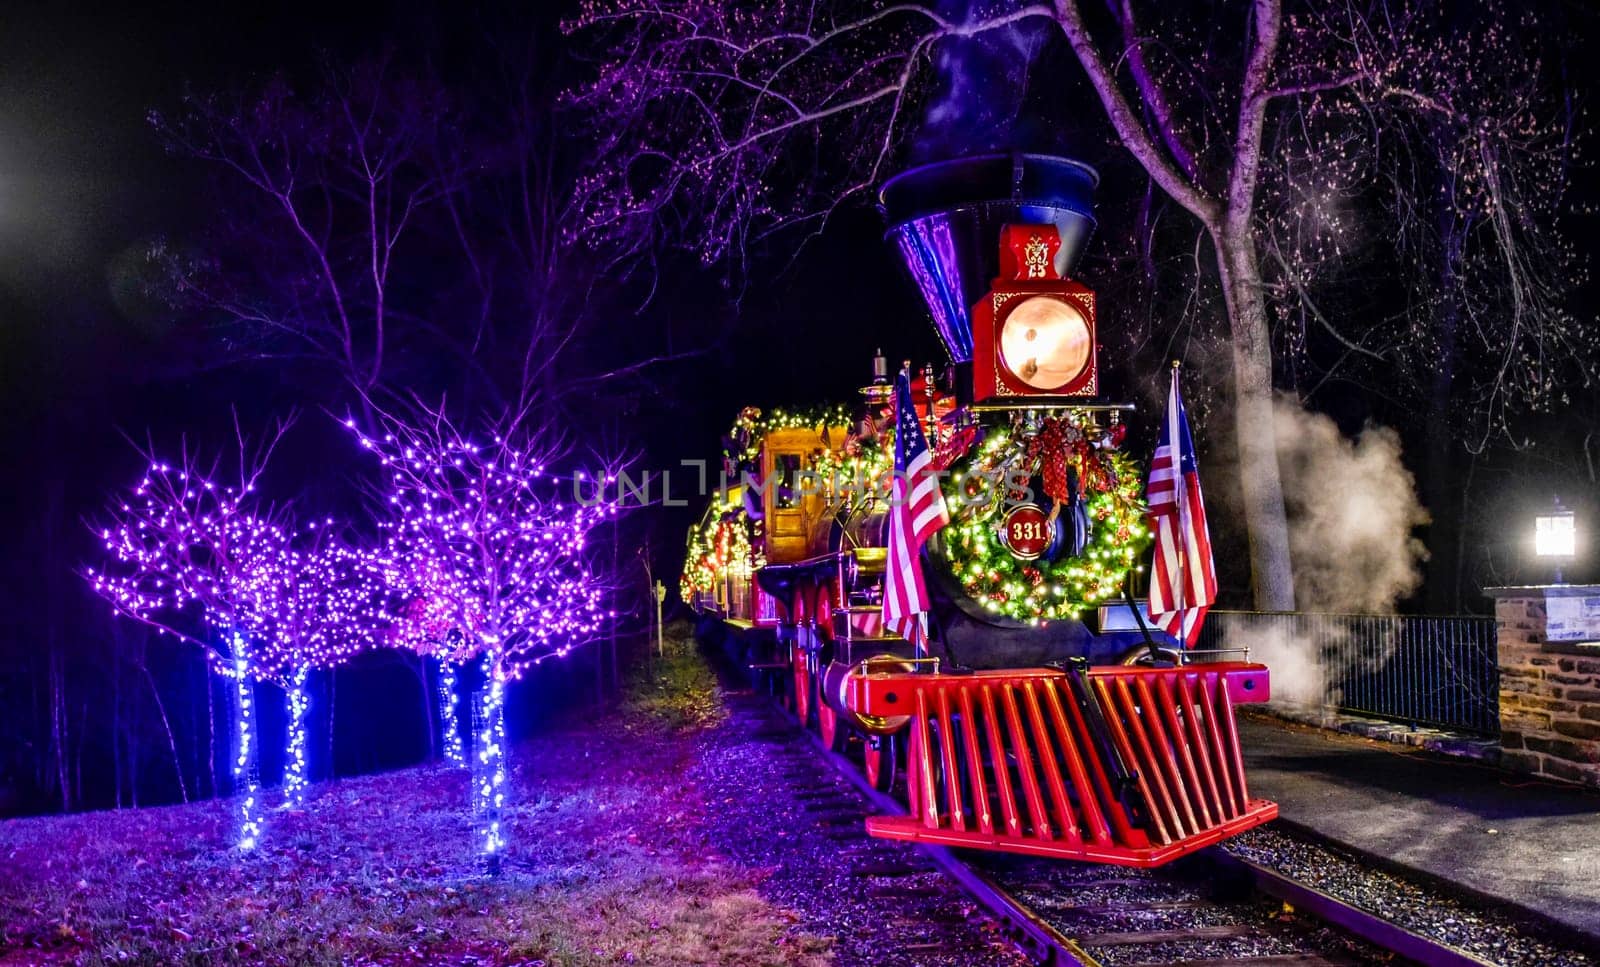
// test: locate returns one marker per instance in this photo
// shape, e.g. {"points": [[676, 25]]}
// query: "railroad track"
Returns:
{"points": [[1209, 909]]}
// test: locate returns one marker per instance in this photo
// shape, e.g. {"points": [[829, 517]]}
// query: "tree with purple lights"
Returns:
{"points": [[493, 543], [267, 601], [186, 554], [313, 603], [1309, 148]]}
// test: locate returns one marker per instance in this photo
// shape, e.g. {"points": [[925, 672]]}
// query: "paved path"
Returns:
{"points": [[1531, 843]]}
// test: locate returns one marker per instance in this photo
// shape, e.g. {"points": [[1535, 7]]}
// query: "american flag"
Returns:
{"points": [[916, 512], [1183, 583]]}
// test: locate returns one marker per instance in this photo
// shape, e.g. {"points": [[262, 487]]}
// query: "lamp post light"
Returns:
{"points": [[1555, 537], [661, 643]]}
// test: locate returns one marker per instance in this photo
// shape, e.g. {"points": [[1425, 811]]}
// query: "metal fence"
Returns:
{"points": [[1435, 671]]}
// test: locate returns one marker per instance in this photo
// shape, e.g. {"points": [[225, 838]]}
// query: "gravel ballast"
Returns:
{"points": [[1498, 935]]}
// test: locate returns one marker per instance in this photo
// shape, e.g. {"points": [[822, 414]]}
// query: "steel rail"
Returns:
{"points": [[1528, 918], [1352, 919]]}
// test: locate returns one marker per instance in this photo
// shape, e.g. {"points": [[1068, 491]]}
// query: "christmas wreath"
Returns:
{"points": [[1092, 495]]}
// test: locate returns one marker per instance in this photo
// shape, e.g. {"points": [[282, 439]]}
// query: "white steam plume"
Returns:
{"points": [[1299, 672], [1352, 508]]}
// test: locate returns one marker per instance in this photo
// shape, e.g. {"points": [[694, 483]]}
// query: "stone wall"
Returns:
{"points": [[1549, 691]]}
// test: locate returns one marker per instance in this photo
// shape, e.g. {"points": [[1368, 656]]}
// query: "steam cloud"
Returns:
{"points": [[1352, 508], [1299, 675]]}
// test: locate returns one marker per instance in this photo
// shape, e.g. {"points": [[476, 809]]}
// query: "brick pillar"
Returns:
{"points": [[1549, 651]]}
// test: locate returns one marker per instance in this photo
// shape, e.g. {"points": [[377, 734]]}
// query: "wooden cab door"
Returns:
{"points": [[794, 505]]}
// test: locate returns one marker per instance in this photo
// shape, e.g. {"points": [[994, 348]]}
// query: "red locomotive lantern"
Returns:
{"points": [[1033, 334]]}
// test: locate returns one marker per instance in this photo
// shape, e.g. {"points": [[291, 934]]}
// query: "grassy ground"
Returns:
{"points": [[609, 864]]}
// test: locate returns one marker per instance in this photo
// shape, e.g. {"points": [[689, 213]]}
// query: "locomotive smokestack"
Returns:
{"points": [[945, 218]]}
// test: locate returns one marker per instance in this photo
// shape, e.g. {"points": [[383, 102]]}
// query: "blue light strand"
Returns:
{"points": [[489, 781], [294, 772], [246, 774], [448, 717]]}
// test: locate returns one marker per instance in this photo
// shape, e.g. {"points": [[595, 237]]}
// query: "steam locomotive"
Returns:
{"points": [[1036, 711]]}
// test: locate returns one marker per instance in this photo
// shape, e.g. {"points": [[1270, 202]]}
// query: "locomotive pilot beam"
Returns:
{"points": [[1148, 768], [1039, 715]]}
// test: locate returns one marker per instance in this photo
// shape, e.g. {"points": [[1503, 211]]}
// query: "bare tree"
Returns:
{"points": [[333, 186], [412, 233], [1469, 189], [722, 123], [132, 648]]}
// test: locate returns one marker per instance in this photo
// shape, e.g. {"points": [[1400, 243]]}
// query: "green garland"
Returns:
{"points": [[1040, 591], [728, 543], [721, 545], [752, 424]]}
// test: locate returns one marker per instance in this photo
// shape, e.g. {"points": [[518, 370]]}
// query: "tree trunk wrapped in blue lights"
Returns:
{"points": [[294, 765], [247, 749], [449, 721], [489, 769]]}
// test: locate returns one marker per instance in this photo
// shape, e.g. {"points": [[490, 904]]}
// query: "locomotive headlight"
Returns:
{"points": [[1045, 342]]}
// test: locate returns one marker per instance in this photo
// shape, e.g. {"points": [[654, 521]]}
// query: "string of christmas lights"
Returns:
{"points": [[489, 783], [295, 778], [448, 720], [844, 472], [484, 542], [315, 603], [1041, 590], [752, 424], [246, 761], [721, 547]]}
